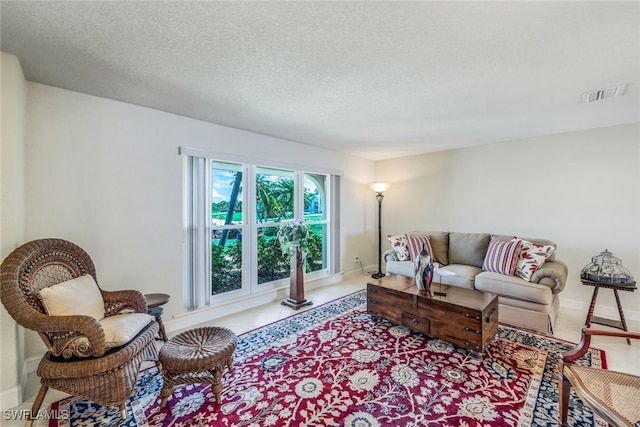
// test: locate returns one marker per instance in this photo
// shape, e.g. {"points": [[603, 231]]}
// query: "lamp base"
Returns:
{"points": [[377, 275]]}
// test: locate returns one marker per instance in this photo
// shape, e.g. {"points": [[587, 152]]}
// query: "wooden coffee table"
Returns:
{"points": [[465, 317]]}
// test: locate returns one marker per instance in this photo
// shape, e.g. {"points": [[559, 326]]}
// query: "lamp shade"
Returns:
{"points": [[379, 187]]}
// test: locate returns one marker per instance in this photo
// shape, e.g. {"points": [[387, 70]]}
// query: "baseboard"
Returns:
{"points": [[14, 396], [10, 398], [607, 312]]}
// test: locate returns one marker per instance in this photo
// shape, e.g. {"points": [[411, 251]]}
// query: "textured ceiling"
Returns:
{"points": [[374, 79]]}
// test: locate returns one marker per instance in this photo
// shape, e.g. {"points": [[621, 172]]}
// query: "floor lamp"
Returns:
{"points": [[379, 188]]}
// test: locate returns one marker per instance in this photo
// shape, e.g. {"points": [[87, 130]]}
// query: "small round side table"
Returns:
{"points": [[154, 301], [622, 324]]}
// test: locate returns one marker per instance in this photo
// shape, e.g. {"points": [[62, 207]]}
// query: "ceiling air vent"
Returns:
{"points": [[597, 95]]}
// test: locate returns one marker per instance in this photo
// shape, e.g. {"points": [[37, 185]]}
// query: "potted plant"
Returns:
{"points": [[294, 234]]}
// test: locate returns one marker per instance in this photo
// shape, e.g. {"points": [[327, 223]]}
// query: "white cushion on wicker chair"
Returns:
{"points": [[122, 328], [73, 297], [119, 329]]}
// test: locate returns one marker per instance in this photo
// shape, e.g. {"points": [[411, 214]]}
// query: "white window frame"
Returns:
{"points": [[198, 228]]}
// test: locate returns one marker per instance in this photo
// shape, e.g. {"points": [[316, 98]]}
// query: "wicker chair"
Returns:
{"points": [[78, 361], [615, 396]]}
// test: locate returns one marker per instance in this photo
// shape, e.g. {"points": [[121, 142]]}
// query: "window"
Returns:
{"points": [[232, 212]]}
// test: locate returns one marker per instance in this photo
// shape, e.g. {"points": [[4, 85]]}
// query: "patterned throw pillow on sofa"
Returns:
{"points": [[415, 243], [399, 245], [502, 256], [531, 258]]}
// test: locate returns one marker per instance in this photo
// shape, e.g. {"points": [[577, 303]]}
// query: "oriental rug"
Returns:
{"points": [[335, 365]]}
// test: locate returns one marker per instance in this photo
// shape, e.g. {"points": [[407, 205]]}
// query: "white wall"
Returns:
{"points": [[11, 219], [107, 176], [579, 189]]}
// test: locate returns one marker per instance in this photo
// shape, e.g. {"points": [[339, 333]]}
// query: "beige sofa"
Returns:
{"points": [[531, 304]]}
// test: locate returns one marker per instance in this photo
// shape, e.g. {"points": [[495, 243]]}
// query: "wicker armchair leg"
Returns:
{"points": [[36, 404], [165, 394]]}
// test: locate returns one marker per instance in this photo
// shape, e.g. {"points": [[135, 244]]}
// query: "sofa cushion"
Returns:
{"points": [[79, 296], [416, 242], [513, 287], [502, 256], [468, 248], [399, 245], [440, 244], [531, 258], [463, 275]]}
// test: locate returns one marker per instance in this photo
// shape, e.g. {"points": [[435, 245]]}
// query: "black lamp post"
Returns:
{"points": [[379, 188]]}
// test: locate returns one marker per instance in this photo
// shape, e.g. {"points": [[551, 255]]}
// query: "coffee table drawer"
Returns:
{"points": [[418, 323]]}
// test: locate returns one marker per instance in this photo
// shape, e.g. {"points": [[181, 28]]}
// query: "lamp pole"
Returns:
{"points": [[379, 273]]}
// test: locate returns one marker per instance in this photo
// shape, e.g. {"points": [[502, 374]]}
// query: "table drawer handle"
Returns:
{"points": [[472, 316], [475, 331]]}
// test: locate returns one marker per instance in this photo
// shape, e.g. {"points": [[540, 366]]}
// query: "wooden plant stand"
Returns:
{"points": [[622, 324], [296, 288]]}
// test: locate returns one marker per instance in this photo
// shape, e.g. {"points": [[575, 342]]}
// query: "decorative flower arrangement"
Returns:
{"points": [[294, 233]]}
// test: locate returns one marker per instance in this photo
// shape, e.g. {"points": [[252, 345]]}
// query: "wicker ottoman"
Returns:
{"points": [[197, 356]]}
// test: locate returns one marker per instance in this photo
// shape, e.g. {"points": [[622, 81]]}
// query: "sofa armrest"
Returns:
{"points": [[552, 274], [390, 255]]}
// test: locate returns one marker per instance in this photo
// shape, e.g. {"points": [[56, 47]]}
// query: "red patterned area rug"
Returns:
{"points": [[335, 365]]}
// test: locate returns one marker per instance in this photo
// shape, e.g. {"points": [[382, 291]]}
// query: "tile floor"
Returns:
{"points": [[619, 354]]}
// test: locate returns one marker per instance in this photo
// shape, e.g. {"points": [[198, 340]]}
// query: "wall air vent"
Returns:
{"points": [[597, 95]]}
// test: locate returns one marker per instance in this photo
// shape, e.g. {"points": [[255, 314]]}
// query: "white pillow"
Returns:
{"points": [[399, 245], [73, 297], [122, 328]]}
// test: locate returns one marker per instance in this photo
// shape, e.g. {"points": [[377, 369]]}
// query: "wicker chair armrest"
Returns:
{"points": [[115, 302], [85, 326], [585, 341]]}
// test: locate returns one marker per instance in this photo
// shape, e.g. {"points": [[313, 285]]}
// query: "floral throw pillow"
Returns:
{"points": [[531, 258], [399, 245]]}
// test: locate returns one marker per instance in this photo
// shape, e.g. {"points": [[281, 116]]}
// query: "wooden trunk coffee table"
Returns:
{"points": [[465, 317]]}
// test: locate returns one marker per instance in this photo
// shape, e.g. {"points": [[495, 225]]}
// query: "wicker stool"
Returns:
{"points": [[197, 356]]}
